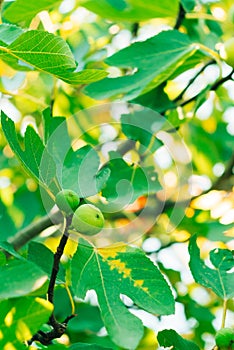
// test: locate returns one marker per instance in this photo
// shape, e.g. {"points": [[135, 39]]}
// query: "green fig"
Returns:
{"points": [[67, 201], [88, 219], [224, 338]]}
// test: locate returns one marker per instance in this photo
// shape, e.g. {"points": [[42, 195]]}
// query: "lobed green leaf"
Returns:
{"points": [[116, 270], [219, 279]]}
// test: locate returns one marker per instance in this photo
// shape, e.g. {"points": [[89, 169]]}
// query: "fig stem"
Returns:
{"points": [[224, 313]]}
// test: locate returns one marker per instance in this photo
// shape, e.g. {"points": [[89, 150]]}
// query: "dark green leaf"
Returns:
{"points": [[89, 319], [126, 183], [219, 279], [188, 5], [7, 225], [155, 99], [41, 256], [169, 337], [121, 269]]}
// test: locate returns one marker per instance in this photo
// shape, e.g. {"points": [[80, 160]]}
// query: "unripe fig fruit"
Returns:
{"points": [[67, 201], [224, 338], [88, 219], [229, 52]]}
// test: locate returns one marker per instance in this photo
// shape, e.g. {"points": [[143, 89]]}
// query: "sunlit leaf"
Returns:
{"points": [[132, 10], [80, 172], [32, 153], [219, 279], [116, 270], [21, 11], [49, 53], [20, 318]]}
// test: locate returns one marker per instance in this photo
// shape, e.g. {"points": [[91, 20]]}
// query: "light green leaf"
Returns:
{"points": [[80, 172], [82, 346], [142, 126], [132, 10], [19, 278], [32, 153], [121, 269], [49, 53], [9, 33], [155, 60], [169, 338], [21, 318], [21, 11], [127, 182], [219, 279]]}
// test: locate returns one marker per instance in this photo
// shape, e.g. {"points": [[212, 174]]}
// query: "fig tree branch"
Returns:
{"points": [[213, 87], [180, 17], [192, 80], [135, 28], [58, 329], [34, 229], [55, 268]]}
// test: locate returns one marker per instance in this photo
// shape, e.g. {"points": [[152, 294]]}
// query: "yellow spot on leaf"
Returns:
{"points": [[45, 303], [120, 267], [112, 250], [9, 346], [139, 283], [9, 317], [23, 332]]}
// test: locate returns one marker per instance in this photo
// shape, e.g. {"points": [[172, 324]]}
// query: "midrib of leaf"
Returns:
{"points": [[104, 290], [221, 279], [12, 53], [140, 287]]}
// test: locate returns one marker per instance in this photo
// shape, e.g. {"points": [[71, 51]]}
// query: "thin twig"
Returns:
{"points": [[180, 17], [212, 88], [135, 28], [192, 80]]}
